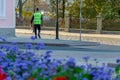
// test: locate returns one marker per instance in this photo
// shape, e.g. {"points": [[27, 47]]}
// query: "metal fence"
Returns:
{"points": [[111, 25], [86, 23]]}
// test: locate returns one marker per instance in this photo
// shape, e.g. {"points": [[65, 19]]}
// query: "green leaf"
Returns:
{"points": [[12, 58], [59, 69], [34, 73], [11, 73], [78, 70], [72, 77], [117, 69], [39, 78], [39, 70], [86, 75]]}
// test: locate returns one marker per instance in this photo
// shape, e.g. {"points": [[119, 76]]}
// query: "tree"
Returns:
{"points": [[21, 3], [61, 7], [74, 8], [108, 8]]}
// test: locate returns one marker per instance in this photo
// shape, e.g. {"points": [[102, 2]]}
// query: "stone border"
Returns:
{"points": [[7, 32]]}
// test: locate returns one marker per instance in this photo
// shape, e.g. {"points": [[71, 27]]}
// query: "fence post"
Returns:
{"points": [[67, 22], [99, 23]]}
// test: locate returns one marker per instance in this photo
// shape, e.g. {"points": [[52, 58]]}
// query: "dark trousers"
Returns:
{"points": [[37, 29]]}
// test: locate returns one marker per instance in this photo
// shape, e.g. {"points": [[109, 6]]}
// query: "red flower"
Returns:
{"points": [[2, 75], [31, 78], [60, 78]]}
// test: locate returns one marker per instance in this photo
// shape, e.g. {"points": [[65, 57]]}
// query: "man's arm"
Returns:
{"points": [[41, 20], [32, 19]]}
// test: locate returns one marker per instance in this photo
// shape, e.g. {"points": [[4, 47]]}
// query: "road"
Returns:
{"points": [[104, 53]]}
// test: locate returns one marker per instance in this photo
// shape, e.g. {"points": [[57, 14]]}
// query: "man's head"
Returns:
{"points": [[37, 9]]}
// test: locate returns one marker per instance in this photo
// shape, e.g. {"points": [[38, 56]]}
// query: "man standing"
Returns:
{"points": [[37, 21]]}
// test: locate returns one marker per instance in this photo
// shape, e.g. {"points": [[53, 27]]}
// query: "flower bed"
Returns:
{"points": [[25, 65]]}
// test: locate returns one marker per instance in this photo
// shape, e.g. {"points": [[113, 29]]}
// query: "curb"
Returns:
{"points": [[50, 42]]}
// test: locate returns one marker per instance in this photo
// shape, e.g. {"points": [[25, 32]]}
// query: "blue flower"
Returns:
{"points": [[25, 75], [4, 64], [71, 62], [85, 79], [118, 60], [96, 60], [2, 54], [17, 69], [3, 39], [49, 51], [106, 77], [8, 78], [14, 49], [28, 45], [35, 60], [30, 54], [32, 37], [6, 47], [40, 46], [86, 58], [14, 43]]}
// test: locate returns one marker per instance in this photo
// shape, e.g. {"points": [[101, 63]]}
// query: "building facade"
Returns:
{"points": [[7, 18]]}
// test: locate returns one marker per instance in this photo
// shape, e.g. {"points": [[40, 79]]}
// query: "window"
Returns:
{"points": [[2, 8]]}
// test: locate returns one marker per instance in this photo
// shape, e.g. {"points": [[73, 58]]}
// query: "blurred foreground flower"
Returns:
{"points": [[32, 37], [59, 78], [3, 39], [26, 65], [2, 75]]}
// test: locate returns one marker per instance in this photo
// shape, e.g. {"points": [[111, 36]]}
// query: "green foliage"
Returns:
{"points": [[78, 70], [11, 56], [117, 69], [60, 7], [91, 8], [74, 9], [11, 73]]}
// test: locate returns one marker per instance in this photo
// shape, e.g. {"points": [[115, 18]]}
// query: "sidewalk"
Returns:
{"points": [[109, 39]]}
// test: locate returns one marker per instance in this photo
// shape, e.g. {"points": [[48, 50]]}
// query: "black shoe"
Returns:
{"points": [[36, 37], [39, 36]]}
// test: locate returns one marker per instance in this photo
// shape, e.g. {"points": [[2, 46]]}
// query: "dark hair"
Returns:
{"points": [[37, 9]]}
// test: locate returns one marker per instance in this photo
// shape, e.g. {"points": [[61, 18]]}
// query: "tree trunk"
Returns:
{"points": [[63, 8], [20, 8], [20, 12]]}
